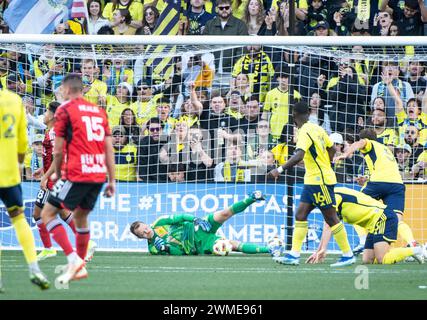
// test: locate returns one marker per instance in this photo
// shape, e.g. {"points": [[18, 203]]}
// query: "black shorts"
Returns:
{"points": [[385, 229], [42, 198], [70, 195], [12, 197]]}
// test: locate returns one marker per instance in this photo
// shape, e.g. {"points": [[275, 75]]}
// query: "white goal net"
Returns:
{"points": [[198, 126]]}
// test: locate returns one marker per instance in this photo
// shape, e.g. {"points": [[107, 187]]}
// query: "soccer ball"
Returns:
{"points": [[222, 247], [275, 245]]}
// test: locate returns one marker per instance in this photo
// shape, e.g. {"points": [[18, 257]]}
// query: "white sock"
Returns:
{"points": [[72, 257], [417, 250], [362, 240], [295, 254], [34, 267], [347, 254]]}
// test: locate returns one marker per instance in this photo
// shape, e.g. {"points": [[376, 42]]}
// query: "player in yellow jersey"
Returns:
{"points": [[359, 209], [13, 145], [385, 182], [315, 147]]}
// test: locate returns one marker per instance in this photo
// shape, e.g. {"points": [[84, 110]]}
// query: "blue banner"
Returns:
{"points": [[111, 218]]}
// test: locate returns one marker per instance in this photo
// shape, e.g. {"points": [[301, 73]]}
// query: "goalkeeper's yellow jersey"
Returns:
{"points": [[13, 137], [357, 208]]}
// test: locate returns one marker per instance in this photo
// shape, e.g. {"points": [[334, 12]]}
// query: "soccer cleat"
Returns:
{"points": [[257, 195], [40, 280], [419, 255], [287, 259], [411, 258], [82, 274], [72, 271], [344, 261], [90, 250], [358, 250], [46, 253]]}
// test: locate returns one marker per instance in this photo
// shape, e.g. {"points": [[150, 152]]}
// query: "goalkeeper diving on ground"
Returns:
{"points": [[185, 234]]}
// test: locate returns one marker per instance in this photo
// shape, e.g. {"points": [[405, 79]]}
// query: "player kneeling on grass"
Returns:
{"points": [[185, 234], [380, 221]]}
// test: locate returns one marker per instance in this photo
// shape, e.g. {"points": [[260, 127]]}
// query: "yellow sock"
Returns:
{"points": [[300, 231], [25, 238], [405, 232], [340, 236], [397, 254]]}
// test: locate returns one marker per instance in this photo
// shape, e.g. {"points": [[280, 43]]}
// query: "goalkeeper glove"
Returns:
{"points": [[204, 224], [159, 244]]}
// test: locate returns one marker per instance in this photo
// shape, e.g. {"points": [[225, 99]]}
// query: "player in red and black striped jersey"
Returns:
{"points": [[46, 185], [83, 155]]}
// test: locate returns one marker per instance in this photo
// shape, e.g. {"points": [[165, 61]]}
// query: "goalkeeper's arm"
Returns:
{"points": [[173, 219]]}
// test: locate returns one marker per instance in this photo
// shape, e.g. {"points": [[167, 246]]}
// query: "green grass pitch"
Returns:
{"points": [[141, 276]]}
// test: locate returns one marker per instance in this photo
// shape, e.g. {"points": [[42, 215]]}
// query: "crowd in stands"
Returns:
{"points": [[189, 125], [255, 17]]}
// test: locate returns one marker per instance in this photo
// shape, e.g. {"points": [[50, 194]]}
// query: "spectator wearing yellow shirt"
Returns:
{"points": [[135, 8], [145, 104], [403, 154], [125, 155], [386, 135], [192, 108], [233, 169], [414, 116], [121, 23], [257, 65], [419, 170], [94, 90], [117, 103], [276, 106]]}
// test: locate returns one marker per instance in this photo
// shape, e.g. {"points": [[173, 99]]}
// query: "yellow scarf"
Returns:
{"points": [[240, 173]]}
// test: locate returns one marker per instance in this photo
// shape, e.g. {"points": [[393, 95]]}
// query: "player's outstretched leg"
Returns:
{"points": [[249, 248], [241, 206], [26, 240], [399, 254], [224, 215]]}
